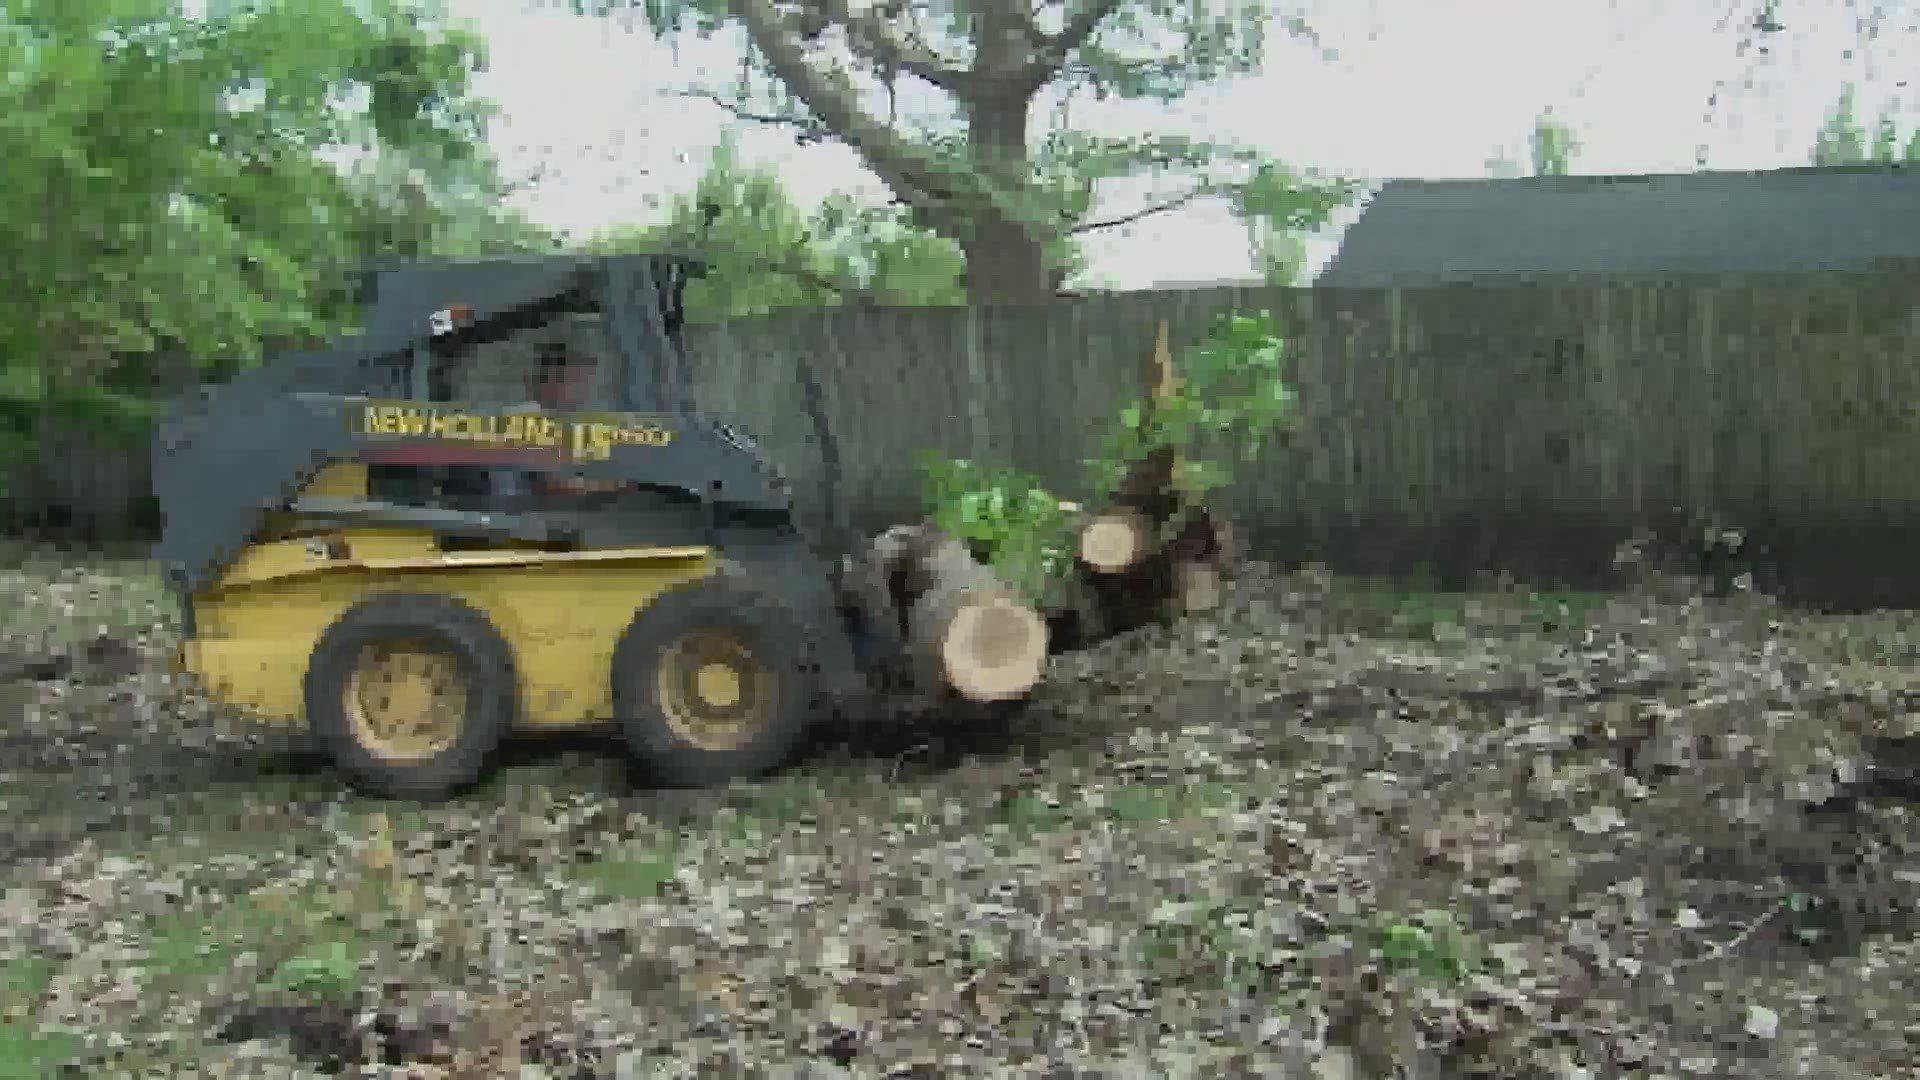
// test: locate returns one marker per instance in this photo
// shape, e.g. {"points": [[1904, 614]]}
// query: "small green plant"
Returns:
{"points": [[1230, 396], [1008, 518], [1216, 934], [1811, 918], [1422, 611], [1429, 944], [328, 973], [1159, 803], [25, 1050], [636, 875], [1026, 814], [26, 1053]]}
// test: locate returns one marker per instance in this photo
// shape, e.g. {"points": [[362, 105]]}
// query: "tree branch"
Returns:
{"points": [[831, 97], [1161, 207], [796, 270], [852, 294], [870, 34], [808, 129], [1081, 24], [789, 265]]}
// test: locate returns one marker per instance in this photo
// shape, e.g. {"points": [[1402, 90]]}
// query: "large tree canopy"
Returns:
{"points": [[191, 183], [203, 188], [940, 99]]}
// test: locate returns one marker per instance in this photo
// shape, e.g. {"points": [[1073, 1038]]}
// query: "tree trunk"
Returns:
{"points": [[1005, 265], [1006, 260]]}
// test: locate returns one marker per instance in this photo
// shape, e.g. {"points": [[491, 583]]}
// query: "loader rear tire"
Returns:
{"points": [[710, 683], [450, 670]]}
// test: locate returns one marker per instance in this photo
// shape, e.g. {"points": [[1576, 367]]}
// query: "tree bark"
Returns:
{"points": [[1006, 265], [1006, 258], [1006, 251]]}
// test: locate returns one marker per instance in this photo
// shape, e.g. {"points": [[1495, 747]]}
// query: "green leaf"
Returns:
{"points": [[1009, 519], [330, 973]]}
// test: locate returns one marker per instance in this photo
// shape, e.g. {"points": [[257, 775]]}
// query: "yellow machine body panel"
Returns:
{"points": [[561, 612]]}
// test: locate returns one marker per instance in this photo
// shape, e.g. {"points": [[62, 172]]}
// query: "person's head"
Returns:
{"points": [[562, 379]]}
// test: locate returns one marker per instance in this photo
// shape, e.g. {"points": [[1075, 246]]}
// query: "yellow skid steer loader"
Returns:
{"points": [[412, 576]]}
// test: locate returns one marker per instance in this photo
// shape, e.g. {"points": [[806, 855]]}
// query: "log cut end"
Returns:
{"points": [[1114, 541], [993, 647], [965, 634]]}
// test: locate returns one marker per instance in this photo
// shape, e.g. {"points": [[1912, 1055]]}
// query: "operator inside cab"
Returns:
{"points": [[560, 382]]}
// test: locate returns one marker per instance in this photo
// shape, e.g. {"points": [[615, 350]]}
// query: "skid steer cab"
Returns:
{"points": [[377, 543]]}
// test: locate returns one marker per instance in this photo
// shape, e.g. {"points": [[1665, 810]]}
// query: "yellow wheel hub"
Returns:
{"points": [[714, 692], [406, 701], [717, 685]]}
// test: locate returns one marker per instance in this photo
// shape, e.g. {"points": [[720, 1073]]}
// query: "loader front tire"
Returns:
{"points": [[710, 683], [410, 693]]}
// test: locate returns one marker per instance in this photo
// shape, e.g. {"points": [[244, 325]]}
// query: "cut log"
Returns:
{"points": [[1154, 549], [949, 629], [1227, 552], [868, 585], [885, 558], [983, 647], [961, 633], [1077, 620], [967, 632], [1115, 540], [1177, 574], [887, 549], [1203, 538], [1196, 587], [927, 558]]}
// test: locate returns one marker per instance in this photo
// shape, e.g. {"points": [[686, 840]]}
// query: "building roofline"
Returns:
{"points": [[1700, 176]]}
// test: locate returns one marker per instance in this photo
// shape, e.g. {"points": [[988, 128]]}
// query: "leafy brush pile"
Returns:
{"points": [[1231, 397]]}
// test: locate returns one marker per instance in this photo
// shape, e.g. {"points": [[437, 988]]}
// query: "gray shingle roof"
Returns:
{"points": [[1423, 232]]}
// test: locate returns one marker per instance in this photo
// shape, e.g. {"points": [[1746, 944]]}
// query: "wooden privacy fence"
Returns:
{"points": [[1454, 429]]}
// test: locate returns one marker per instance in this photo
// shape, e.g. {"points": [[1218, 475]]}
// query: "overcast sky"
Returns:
{"points": [[1421, 88]]}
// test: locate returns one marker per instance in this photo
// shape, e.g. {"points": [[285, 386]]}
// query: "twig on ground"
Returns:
{"points": [[1726, 948], [893, 770]]}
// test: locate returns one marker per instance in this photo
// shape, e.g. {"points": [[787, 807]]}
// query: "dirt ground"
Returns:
{"points": [[1336, 831]]}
